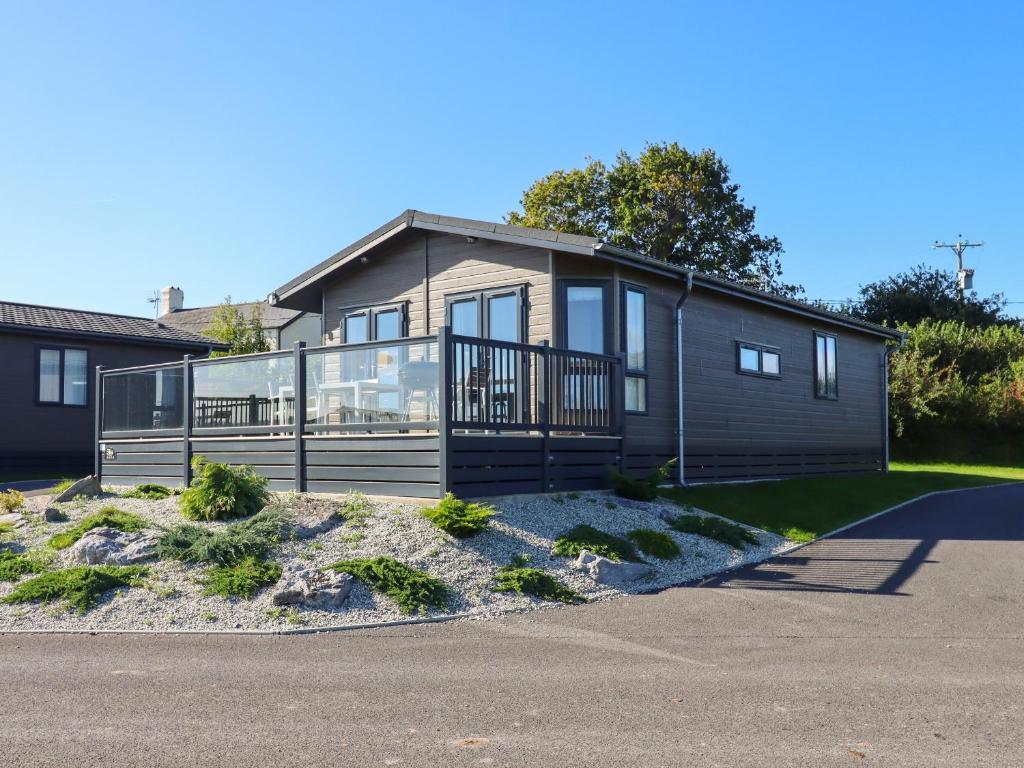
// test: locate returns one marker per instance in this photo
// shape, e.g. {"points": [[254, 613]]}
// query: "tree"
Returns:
{"points": [[925, 293], [668, 203], [244, 334]]}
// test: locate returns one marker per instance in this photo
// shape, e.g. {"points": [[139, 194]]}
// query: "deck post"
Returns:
{"points": [[98, 400], [543, 416], [619, 407], [444, 411], [186, 422], [300, 415]]}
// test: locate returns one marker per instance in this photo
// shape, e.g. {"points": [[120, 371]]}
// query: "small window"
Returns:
{"points": [[758, 360], [380, 323], [634, 345], [63, 376], [497, 313], [826, 383]]}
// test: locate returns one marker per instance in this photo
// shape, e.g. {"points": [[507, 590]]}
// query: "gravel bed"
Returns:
{"points": [[525, 525]]}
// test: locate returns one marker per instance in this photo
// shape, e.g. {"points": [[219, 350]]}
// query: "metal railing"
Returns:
{"points": [[429, 383]]}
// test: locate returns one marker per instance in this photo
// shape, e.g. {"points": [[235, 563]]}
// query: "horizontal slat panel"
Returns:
{"points": [[419, 490], [473, 474], [154, 470], [143, 446], [167, 457], [170, 482], [229, 446], [372, 459], [372, 444], [601, 473], [492, 443], [268, 458], [584, 443], [496, 458], [395, 474], [274, 473], [469, 490]]}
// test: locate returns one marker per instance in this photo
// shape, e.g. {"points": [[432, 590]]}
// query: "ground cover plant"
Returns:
{"points": [[413, 590], [655, 543], [11, 500], [63, 485], [254, 537], [802, 509], [243, 578], [221, 492], [80, 588], [150, 491], [585, 537], [641, 489], [7, 531], [108, 517], [14, 566], [519, 577], [459, 518], [735, 536]]}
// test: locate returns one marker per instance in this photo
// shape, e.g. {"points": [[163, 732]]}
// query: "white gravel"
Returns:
{"points": [[525, 525]]}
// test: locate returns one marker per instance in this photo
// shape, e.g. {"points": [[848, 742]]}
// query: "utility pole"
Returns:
{"points": [[964, 277]]}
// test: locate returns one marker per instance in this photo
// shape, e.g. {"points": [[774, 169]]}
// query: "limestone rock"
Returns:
{"points": [[87, 486], [54, 515], [608, 572], [313, 588], [109, 546]]}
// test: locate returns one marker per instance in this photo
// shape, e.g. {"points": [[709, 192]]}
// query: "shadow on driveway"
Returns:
{"points": [[880, 555]]}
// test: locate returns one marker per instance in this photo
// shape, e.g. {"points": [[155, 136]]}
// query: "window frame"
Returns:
{"points": [[370, 312], [634, 373], [564, 284], [60, 385], [760, 348], [483, 315], [834, 395]]}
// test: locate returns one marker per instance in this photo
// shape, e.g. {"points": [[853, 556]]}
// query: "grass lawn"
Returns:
{"points": [[803, 509]]}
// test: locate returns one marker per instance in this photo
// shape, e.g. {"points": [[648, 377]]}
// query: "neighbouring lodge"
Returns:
{"points": [[490, 359]]}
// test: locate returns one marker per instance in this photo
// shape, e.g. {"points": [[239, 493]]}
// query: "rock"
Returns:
{"points": [[109, 546], [312, 588], [87, 486], [54, 515], [605, 571], [14, 518]]}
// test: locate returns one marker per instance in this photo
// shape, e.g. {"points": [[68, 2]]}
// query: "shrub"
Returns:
{"points": [[11, 500], [220, 492], [520, 578], [243, 578], [108, 517], [254, 537], [81, 587], [735, 536], [63, 485], [641, 489], [150, 491], [456, 517], [574, 541], [7, 531], [655, 543], [13, 567], [413, 590]]}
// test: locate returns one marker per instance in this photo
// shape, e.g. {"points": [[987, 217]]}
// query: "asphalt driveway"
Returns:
{"points": [[897, 643]]}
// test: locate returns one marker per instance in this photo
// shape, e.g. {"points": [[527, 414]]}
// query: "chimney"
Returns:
{"points": [[171, 300]]}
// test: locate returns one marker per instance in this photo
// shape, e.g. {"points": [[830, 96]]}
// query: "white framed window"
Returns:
{"points": [[62, 376], [753, 359]]}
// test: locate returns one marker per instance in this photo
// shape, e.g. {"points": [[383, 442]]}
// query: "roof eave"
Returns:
{"points": [[34, 330]]}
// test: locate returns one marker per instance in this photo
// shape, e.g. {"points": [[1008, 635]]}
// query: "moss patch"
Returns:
{"points": [[108, 517], [574, 541], [413, 590], [655, 543], [81, 588]]}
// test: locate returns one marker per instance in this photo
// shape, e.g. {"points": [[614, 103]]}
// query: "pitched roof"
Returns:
{"points": [[295, 290], [197, 319], [32, 318]]}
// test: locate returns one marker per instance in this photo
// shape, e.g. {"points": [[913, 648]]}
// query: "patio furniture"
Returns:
{"points": [[419, 384]]}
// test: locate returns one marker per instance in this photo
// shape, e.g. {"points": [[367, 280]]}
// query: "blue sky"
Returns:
{"points": [[225, 147]]}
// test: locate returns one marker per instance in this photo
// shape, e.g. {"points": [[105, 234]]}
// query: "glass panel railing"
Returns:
{"points": [[388, 382], [250, 392], [143, 400]]}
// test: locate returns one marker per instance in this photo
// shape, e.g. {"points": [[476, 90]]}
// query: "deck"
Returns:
{"points": [[408, 417]]}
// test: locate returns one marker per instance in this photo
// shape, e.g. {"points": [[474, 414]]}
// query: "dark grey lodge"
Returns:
{"points": [[489, 359], [47, 390]]}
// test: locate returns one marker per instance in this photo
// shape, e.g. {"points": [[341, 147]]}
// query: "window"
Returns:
{"points": [[758, 360], [826, 383], [499, 313], [63, 376], [378, 323], [634, 344], [585, 317]]}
